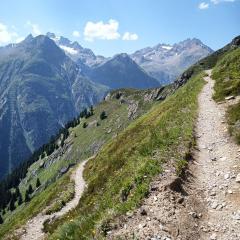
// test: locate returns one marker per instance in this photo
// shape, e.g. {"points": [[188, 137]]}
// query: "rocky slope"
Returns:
{"points": [[165, 62], [40, 90]]}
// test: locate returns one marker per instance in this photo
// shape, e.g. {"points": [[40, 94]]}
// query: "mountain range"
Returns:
{"points": [[47, 80], [134, 155], [40, 90], [163, 62]]}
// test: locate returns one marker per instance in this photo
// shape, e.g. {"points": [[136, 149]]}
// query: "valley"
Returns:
{"points": [[132, 146]]}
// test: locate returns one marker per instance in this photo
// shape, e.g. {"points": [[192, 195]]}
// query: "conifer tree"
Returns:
{"points": [[38, 183], [20, 200], [12, 205], [27, 198], [30, 189], [103, 115]]}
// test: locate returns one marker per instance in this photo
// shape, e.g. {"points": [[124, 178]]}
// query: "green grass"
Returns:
{"points": [[37, 204], [226, 73], [227, 82], [233, 116], [118, 178], [55, 191]]}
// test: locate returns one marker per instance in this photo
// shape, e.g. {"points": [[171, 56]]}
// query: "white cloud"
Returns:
{"points": [[130, 36], [219, 1], [6, 35], [34, 28], [69, 50], [76, 33], [203, 5], [101, 30]]}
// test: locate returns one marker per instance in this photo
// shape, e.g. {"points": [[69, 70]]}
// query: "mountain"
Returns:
{"points": [[40, 90], [165, 62], [121, 71], [139, 166], [75, 51]]}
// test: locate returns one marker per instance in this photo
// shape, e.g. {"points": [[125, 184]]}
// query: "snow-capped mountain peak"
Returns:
{"points": [[165, 62], [75, 51]]}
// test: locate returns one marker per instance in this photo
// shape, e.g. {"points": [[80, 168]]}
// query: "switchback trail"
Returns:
{"points": [[33, 230]]}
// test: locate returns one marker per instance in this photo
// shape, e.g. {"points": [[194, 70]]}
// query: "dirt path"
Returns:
{"points": [[206, 205], [218, 162], [33, 228]]}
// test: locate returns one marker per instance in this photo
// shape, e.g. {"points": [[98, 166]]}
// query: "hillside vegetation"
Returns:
{"points": [[227, 77], [121, 108], [226, 74], [118, 178]]}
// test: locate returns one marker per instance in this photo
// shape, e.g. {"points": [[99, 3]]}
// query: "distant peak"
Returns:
{"points": [[121, 55], [51, 35], [191, 40], [29, 37]]}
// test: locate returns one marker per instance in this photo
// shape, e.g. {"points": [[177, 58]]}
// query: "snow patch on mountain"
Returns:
{"points": [[69, 50], [167, 47]]}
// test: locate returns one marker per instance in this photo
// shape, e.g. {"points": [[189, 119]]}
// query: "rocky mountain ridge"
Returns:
{"points": [[165, 62]]}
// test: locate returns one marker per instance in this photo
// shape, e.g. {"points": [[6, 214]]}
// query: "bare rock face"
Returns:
{"points": [[132, 109], [165, 62]]}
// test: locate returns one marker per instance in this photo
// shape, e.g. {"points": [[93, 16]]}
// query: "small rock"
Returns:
{"points": [[229, 97], [142, 225], [230, 191], [214, 205], [214, 159], [219, 207], [180, 200], [193, 214], [213, 236], [129, 214], [238, 178], [226, 176], [237, 216], [143, 212], [154, 188]]}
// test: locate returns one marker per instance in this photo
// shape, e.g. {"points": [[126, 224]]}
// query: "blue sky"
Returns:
{"points": [[113, 26]]}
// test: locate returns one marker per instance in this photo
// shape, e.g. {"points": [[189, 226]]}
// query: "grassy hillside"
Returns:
{"points": [[227, 76], [119, 176], [82, 143]]}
